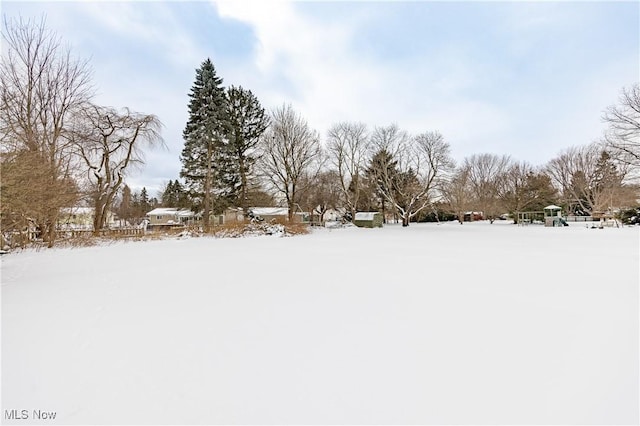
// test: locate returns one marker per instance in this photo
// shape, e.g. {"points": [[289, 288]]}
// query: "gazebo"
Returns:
{"points": [[553, 216], [552, 211]]}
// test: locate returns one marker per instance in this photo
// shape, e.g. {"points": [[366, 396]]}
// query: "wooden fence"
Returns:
{"points": [[116, 232]]}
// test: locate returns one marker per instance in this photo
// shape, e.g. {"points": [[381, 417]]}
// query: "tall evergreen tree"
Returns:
{"points": [[204, 156], [145, 203], [248, 122], [174, 195], [168, 199]]}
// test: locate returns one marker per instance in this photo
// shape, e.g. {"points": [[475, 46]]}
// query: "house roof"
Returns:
{"points": [[185, 213], [269, 211], [552, 207], [170, 211], [163, 211]]}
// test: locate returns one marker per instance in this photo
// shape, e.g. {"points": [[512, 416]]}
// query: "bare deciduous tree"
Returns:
{"points": [[623, 135], [110, 143], [590, 179], [458, 193], [486, 175], [414, 172], [348, 148], [42, 87], [322, 194], [290, 152]]}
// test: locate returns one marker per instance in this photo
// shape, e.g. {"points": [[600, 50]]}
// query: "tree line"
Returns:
{"points": [[59, 148], [233, 149]]}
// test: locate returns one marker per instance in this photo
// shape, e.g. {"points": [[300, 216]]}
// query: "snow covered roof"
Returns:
{"points": [[365, 215], [552, 207], [170, 211], [163, 211], [269, 211], [185, 213]]}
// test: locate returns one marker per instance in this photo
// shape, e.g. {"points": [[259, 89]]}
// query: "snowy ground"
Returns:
{"points": [[434, 324]]}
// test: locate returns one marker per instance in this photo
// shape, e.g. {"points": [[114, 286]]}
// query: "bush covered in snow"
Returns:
{"points": [[251, 229]]}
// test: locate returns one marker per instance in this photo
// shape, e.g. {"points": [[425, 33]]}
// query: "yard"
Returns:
{"points": [[431, 324]]}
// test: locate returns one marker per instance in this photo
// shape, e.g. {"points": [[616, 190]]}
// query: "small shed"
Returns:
{"points": [[368, 220]]}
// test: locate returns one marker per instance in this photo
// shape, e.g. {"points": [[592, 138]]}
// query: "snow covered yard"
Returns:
{"points": [[434, 324]]}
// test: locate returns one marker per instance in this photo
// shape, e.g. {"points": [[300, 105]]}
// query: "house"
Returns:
{"points": [[230, 215], [81, 218], [334, 215], [473, 216], [368, 220], [171, 217]]}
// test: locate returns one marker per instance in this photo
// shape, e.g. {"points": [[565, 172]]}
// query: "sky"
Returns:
{"points": [[524, 79]]}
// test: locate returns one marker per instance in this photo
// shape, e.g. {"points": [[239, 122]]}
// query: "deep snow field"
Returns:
{"points": [[431, 324]]}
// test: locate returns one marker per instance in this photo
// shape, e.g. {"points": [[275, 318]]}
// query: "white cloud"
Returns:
{"points": [[153, 24], [486, 100], [334, 82], [312, 57], [467, 98]]}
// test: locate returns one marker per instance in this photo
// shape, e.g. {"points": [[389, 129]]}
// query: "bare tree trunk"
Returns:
{"points": [[291, 207], [97, 217], [384, 213]]}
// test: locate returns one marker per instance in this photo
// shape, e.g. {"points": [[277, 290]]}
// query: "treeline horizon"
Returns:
{"points": [[60, 149]]}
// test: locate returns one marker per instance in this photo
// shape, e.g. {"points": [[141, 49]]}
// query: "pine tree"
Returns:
{"points": [[248, 122], [539, 191], [168, 195], [145, 204], [204, 160], [382, 174], [174, 195], [181, 196]]}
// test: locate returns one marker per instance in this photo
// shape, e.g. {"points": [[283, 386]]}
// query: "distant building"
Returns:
{"points": [[81, 218], [368, 220], [278, 214], [171, 217], [473, 216]]}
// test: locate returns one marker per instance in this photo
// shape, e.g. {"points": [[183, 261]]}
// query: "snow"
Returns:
{"points": [[77, 210], [170, 211], [430, 324], [269, 211], [365, 215]]}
